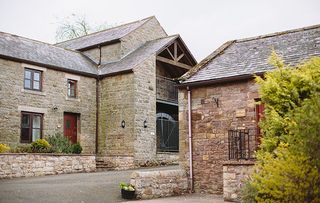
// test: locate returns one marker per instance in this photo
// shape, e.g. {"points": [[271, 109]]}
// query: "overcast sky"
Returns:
{"points": [[203, 24]]}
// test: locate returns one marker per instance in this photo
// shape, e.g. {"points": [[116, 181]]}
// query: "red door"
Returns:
{"points": [[70, 127], [259, 117]]}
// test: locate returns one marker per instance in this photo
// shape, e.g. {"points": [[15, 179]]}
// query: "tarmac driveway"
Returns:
{"points": [[80, 187]]}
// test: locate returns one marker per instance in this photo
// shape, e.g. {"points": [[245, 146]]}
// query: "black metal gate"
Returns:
{"points": [[242, 144], [167, 135]]}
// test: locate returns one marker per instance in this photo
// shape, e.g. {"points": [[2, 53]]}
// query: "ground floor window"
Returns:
{"points": [[31, 126]]}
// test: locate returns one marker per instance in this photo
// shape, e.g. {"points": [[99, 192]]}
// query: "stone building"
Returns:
{"points": [[104, 90], [224, 111]]}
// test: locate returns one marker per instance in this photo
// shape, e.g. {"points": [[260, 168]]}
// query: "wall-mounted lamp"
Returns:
{"points": [[216, 100], [145, 124], [54, 108], [123, 124]]}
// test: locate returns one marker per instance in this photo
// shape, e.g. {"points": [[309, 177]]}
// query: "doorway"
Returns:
{"points": [[70, 126]]}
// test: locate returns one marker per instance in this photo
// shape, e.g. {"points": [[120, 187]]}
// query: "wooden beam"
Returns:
{"points": [[178, 59], [175, 48], [170, 53], [174, 63]]}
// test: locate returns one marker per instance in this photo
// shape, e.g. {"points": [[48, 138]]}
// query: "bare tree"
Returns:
{"points": [[76, 26]]}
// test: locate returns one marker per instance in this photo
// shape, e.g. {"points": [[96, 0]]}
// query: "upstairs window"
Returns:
{"points": [[72, 88], [31, 127], [32, 79]]}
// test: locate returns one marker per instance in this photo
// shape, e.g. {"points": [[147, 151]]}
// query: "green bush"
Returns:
{"points": [[4, 148], [60, 144], [40, 146], [76, 148], [288, 162], [26, 148]]}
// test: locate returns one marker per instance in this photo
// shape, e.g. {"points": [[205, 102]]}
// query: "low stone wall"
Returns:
{"points": [[26, 165], [234, 175], [155, 184]]}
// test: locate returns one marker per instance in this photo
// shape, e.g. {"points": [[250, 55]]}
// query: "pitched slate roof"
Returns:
{"points": [[136, 57], [26, 50], [249, 56], [101, 37]]}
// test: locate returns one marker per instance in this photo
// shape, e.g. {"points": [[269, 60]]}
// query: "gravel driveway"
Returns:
{"points": [[80, 187]]}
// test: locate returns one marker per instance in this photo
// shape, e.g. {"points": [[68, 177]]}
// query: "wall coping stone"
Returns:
{"points": [[47, 154], [239, 162]]}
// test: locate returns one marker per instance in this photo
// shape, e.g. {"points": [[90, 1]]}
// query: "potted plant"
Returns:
{"points": [[127, 191]]}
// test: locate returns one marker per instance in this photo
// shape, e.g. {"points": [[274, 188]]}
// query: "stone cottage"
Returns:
{"points": [[113, 91], [218, 108]]}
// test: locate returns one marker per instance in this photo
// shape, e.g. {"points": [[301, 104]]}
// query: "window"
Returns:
{"points": [[31, 127], [72, 88], [32, 79]]}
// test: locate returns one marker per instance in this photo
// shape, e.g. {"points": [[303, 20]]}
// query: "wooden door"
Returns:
{"points": [[259, 117], [70, 126]]}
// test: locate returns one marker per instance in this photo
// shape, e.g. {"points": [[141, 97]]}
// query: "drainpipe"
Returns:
{"points": [[190, 140], [97, 112]]}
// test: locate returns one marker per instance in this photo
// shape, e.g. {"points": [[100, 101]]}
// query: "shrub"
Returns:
{"points": [[4, 148], [76, 148], [288, 162], [60, 144], [40, 145], [22, 149]]}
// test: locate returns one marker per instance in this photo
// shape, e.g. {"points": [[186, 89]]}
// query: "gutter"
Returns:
{"points": [[220, 80], [190, 141], [92, 75]]}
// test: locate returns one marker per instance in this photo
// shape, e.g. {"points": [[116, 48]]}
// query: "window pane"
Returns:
{"points": [[25, 121], [36, 85], [35, 134], [72, 93], [27, 83], [36, 121], [25, 134], [71, 88], [27, 74], [36, 76]]}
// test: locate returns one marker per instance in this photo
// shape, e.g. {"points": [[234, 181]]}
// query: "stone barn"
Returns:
{"points": [[114, 91], [219, 109]]}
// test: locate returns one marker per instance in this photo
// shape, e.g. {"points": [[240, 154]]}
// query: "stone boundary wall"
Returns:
{"points": [[156, 184], [26, 165], [234, 175]]}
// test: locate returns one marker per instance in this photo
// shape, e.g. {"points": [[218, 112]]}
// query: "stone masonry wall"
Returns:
{"points": [[155, 184], [167, 158], [108, 53], [148, 31], [116, 162], [116, 105], [14, 99], [235, 173], [210, 125], [26, 165], [145, 110]]}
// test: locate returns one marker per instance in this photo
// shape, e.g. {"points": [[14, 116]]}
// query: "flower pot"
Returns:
{"points": [[126, 194]]}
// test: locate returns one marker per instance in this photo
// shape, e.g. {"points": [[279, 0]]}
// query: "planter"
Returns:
{"points": [[126, 194]]}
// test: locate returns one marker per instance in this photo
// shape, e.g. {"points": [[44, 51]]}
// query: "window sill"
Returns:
{"points": [[33, 92], [72, 99]]}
